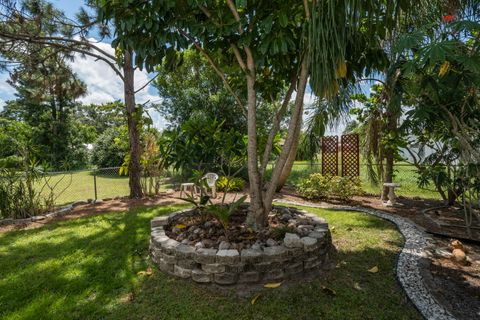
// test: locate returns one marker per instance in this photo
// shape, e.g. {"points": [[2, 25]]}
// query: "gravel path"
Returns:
{"points": [[411, 263]]}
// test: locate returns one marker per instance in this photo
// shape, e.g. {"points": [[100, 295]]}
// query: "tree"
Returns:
{"points": [[69, 35], [264, 47], [194, 88]]}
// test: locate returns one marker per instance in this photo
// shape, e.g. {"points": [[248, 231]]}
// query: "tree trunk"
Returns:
{"points": [[389, 153], [291, 158], [291, 139], [134, 169], [256, 217]]}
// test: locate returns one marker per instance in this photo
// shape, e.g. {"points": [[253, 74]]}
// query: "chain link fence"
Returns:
{"points": [[106, 183]]}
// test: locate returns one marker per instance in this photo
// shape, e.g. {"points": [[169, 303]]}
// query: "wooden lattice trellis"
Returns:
{"points": [[330, 155], [350, 155]]}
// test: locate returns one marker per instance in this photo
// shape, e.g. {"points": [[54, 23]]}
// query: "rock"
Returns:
{"points": [[442, 253], [292, 240], [271, 243], [459, 256], [306, 226], [224, 245], [207, 243], [199, 245], [184, 241], [197, 231], [222, 238], [208, 224], [256, 246], [285, 217]]}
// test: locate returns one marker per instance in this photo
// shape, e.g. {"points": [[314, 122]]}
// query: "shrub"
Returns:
{"points": [[235, 184], [317, 187]]}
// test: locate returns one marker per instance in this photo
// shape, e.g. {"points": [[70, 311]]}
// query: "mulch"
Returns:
{"points": [[455, 285]]}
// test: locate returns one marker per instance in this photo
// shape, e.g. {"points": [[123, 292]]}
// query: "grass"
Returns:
{"points": [[405, 175], [88, 268], [79, 185]]}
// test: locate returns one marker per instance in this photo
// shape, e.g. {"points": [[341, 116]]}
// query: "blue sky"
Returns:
{"points": [[102, 83]]}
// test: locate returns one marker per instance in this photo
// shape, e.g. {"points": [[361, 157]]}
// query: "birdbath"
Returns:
{"points": [[392, 199]]}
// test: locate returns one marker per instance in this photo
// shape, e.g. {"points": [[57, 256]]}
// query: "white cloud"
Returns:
{"points": [[104, 85]]}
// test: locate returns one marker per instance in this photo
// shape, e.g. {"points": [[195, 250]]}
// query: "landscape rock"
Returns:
{"points": [[224, 245]]}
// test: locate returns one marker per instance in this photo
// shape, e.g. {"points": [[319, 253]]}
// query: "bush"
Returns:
{"points": [[317, 187], [235, 184]]}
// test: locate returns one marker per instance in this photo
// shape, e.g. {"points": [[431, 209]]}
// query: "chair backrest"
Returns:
{"points": [[211, 178]]}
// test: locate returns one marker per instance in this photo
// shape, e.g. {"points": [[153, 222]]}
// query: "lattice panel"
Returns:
{"points": [[350, 155], [330, 155]]}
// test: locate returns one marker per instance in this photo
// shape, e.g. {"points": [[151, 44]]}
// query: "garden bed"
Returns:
{"points": [[187, 245]]}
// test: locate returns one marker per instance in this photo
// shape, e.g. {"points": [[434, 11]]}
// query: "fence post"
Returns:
{"points": [[95, 182]]}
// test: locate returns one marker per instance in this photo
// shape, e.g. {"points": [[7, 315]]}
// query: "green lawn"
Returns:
{"points": [[79, 185], [87, 269], [405, 175]]}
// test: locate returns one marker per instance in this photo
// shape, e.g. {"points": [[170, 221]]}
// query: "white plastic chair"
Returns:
{"points": [[212, 182]]}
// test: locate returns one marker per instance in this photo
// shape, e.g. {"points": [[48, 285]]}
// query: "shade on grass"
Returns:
{"points": [[88, 269]]}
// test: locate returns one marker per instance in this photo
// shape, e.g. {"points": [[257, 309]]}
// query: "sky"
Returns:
{"points": [[102, 83]]}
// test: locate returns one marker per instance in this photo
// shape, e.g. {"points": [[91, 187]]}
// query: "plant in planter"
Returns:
{"points": [[222, 212]]}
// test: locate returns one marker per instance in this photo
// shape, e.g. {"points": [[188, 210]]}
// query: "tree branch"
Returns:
{"points": [[217, 70], [148, 82]]}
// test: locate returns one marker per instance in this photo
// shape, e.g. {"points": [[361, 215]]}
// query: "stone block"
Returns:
{"points": [[311, 263], [249, 277], [294, 252], [182, 272], [292, 240], [168, 258], [273, 274], [230, 256], [186, 263], [293, 268], [317, 235], [201, 276], [226, 278], [277, 253], [165, 266], [159, 240], [204, 255], [213, 268], [169, 246], [263, 266], [235, 268], [251, 256], [184, 251], [159, 221], [309, 244]]}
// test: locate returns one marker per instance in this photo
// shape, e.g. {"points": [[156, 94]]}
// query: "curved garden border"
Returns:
{"points": [[410, 263]]}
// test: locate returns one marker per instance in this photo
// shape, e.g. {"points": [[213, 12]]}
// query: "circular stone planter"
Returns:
{"points": [[294, 257]]}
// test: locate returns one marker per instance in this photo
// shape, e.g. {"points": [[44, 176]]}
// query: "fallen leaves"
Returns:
{"points": [[180, 226], [272, 285], [356, 286], [373, 270], [147, 272], [254, 299]]}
